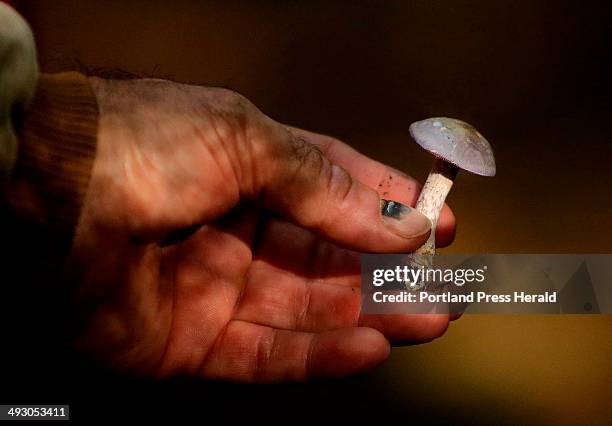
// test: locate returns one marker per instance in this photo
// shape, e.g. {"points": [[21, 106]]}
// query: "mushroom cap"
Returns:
{"points": [[456, 142]]}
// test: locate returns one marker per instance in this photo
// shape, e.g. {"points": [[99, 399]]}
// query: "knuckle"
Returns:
{"points": [[304, 150], [337, 186], [231, 113], [285, 156], [309, 158], [340, 184], [233, 102], [235, 125]]}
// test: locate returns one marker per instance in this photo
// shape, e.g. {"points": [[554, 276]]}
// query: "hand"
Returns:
{"points": [[216, 242]]}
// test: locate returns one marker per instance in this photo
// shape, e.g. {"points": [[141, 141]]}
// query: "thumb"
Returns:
{"points": [[301, 184]]}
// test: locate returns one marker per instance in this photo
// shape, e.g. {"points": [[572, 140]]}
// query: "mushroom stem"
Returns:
{"points": [[430, 202]]}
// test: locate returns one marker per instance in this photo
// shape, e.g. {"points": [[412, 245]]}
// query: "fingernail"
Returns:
{"points": [[403, 220]]}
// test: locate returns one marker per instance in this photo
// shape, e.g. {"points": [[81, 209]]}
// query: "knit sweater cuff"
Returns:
{"points": [[57, 146]]}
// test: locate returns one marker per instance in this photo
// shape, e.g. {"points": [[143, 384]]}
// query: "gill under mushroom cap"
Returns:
{"points": [[456, 142]]}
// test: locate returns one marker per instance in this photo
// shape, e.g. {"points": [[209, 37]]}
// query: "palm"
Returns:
{"points": [[197, 307], [225, 300], [228, 291]]}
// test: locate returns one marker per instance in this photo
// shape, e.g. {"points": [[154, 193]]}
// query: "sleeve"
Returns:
{"points": [[57, 147], [48, 132]]}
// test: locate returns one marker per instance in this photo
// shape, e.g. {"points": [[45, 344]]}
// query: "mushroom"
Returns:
{"points": [[455, 145]]}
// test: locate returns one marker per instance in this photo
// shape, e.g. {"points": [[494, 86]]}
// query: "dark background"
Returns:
{"points": [[533, 76]]}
